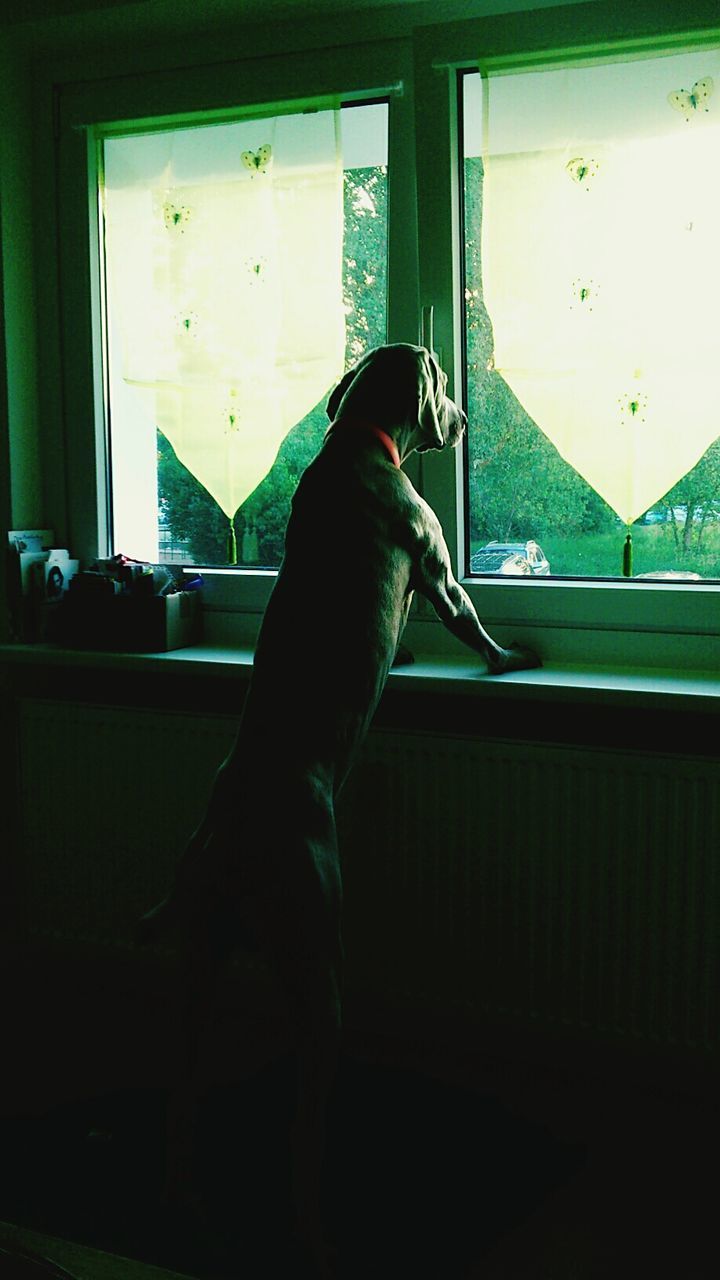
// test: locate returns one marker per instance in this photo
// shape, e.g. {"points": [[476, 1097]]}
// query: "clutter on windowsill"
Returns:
{"points": [[39, 575], [130, 605], [117, 603]]}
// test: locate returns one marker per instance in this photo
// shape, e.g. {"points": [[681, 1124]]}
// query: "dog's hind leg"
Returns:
{"points": [[311, 983], [317, 1065], [171, 918], [203, 955], [196, 873]]}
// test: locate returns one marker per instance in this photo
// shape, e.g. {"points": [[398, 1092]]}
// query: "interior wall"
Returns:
{"points": [[20, 496], [83, 41]]}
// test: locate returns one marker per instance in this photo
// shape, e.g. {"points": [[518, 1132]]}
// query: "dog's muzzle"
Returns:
{"points": [[460, 427], [455, 423]]}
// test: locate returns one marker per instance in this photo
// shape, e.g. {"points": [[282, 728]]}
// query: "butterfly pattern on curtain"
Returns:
{"points": [[224, 253], [601, 263]]}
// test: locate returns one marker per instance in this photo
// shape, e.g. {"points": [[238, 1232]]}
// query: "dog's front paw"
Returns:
{"points": [[515, 658]]}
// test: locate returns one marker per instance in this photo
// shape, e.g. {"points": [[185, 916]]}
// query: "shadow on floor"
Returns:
{"points": [[424, 1178]]}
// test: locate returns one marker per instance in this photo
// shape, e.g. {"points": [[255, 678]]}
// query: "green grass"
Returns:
{"points": [[599, 555]]}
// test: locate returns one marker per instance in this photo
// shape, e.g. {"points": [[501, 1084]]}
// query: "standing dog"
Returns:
{"points": [[264, 861]]}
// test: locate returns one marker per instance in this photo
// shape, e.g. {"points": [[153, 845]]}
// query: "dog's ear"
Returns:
{"points": [[337, 394], [430, 397]]}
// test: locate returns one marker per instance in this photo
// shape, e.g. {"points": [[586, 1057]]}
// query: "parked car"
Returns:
{"points": [[663, 515], [520, 559], [674, 575], [655, 517]]}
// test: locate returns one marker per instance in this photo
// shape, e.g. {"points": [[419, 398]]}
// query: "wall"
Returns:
{"points": [[20, 472], [545, 875], [48, 44]]}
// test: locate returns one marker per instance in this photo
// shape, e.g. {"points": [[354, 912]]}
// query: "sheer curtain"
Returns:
{"points": [[601, 262], [224, 266]]}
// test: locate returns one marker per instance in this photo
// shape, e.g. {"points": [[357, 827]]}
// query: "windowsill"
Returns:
{"points": [[618, 686]]}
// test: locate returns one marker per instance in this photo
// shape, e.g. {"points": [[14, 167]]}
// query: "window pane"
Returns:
{"points": [[239, 349], [591, 259]]}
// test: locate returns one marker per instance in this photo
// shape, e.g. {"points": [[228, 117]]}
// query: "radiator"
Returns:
{"points": [[578, 888]]}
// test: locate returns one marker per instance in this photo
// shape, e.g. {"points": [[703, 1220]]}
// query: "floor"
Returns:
{"points": [[449, 1171], [488, 1161], [34, 1255], [643, 1204]]}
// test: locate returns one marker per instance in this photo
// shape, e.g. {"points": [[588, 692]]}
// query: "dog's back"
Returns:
{"points": [[337, 611]]}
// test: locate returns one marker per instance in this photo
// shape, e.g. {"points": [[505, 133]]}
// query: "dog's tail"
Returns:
{"points": [[167, 922], [171, 920]]}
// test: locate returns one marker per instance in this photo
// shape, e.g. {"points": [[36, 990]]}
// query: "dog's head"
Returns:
{"points": [[401, 386]]}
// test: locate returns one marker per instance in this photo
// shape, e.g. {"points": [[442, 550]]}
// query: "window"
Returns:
{"points": [[591, 261], [604, 617], [245, 268], [423, 151]]}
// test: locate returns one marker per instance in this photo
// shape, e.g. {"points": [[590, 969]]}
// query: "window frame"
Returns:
{"points": [[102, 134], [87, 112], [571, 621]]}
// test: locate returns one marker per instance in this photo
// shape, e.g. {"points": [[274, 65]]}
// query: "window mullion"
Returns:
{"points": [[438, 238]]}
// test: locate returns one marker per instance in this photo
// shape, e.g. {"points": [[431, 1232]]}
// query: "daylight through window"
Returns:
{"points": [[245, 268], [592, 262]]}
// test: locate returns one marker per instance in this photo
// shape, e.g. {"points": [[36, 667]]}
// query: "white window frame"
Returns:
{"points": [[569, 621], [87, 113]]}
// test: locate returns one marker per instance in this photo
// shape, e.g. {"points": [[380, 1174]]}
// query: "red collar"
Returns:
{"points": [[387, 441]]}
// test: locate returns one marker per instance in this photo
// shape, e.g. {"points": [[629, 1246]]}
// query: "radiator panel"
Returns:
{"points": [[110, 797], [576, 887], [573, 887]]}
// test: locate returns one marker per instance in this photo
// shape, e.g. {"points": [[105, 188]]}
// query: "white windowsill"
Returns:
{"points": [[697, 691]]}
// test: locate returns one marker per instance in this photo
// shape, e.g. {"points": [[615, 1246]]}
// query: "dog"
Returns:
{"points": [[263, 864]]}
